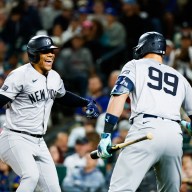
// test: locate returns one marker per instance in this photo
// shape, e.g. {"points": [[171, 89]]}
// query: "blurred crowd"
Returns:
{"points": [[95, 39]]}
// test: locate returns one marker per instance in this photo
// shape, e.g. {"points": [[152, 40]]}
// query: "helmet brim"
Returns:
{"points": [[46, 48], [53, 47]]}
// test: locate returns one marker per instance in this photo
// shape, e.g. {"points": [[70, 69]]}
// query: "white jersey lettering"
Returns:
{"points": [[31, 90]]}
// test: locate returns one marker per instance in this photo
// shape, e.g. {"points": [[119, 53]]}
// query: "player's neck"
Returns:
{"points": [[37, 68], [156, 57]]}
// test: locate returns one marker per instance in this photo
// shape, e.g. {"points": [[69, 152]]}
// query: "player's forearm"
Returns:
{"points": [[72, 100], [116, 104], [114, 110], [3, 100]]}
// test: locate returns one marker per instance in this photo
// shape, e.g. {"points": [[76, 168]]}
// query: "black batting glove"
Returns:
{"points": [[92, 110]]}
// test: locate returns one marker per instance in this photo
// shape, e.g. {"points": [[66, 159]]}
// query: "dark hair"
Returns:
{"points": [[81, 141]]}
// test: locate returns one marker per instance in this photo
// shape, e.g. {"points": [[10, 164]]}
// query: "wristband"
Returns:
{"points": [[110, 122]]}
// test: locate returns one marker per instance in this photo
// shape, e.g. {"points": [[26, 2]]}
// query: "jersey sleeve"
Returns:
{"points": [[187, 103], [61, 91], [124, 82], [12, 85], [129, 70]]}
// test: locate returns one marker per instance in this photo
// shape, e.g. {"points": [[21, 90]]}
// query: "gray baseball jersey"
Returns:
{"points": [[160, 89], [158, 94], [32, 97]]}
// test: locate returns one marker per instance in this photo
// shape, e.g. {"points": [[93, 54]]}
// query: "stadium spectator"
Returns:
{"points": [[112, 30], [54, 151], [3, 52], [77, 158], [17, 30], [98, 12], [88, 125], [122, 131], [9, 181], [93, 138], [64, 18], [94, 91], [73, 29], [49, 12], [186, 173], [12, 62], [183, 57], [111, 82], [61, 143], [23, 56], [84, 179], [184, 28], [170, 53], [3, 18], [75, 65], [130, 18], [83, 13], [92, 31], [187, 166]]}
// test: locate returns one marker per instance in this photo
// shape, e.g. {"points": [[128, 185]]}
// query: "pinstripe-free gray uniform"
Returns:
{"points": [[159, 92], [32, 97]]}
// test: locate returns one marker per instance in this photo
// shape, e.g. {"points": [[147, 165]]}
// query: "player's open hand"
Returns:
{"points": [[104, 143], [91, 110]]}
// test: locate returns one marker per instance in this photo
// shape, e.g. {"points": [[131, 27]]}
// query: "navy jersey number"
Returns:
{"points": [[158, 77]]}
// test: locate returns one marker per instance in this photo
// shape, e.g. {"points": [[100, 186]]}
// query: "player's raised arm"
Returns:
{"points": [[72, 100], [32, 89]]}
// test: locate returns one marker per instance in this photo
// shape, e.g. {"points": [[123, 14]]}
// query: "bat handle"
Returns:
{"points": [[95, 155]]}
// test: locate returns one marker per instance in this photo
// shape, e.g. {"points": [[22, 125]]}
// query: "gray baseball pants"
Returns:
{"points": [[29, 158], [163, 153]]}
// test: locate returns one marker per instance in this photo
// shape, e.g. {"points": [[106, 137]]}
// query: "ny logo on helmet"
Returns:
{"points": [[48, 41]]}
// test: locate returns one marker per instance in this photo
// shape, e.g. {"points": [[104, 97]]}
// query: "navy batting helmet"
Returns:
{"points": [[150, 42], [38, 44]]}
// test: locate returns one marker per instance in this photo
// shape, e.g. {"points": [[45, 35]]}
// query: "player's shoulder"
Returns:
{"points": [[129, 64], [21, 69], [19, 72], [54, 74], [173, 71]]}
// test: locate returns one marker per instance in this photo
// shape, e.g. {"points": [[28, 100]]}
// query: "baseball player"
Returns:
{"points": [[29, 92], [157, 93]]}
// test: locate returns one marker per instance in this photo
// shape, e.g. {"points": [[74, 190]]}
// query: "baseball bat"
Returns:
{"points": [[112, 149]]}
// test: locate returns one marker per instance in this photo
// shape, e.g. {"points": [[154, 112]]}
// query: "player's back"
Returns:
{"points": [[159, 89]]}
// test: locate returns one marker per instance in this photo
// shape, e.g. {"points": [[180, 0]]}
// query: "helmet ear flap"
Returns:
{"points": [[137, 52], [33, 57], [36, 57]]}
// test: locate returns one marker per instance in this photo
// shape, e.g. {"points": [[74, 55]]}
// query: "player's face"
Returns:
{"points": [[46, 61]]}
